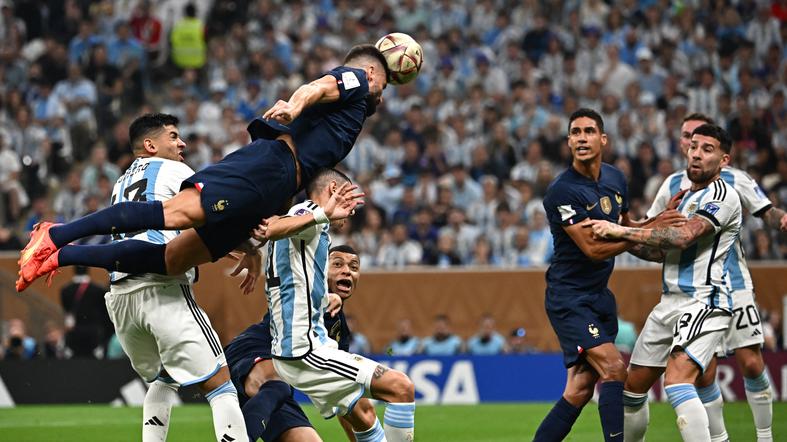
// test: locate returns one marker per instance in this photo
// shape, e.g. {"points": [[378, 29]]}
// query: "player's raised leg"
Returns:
{"points": [[395, 388]]}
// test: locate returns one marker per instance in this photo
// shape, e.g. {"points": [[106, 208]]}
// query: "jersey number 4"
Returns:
{"points": [[135, 192]]}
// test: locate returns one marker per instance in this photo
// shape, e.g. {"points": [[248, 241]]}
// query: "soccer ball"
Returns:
{"points": [[404, 56]]}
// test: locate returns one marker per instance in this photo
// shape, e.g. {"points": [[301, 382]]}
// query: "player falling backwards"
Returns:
{"points": [[682, 332], [263, 395], [304, 356], [167, 336], [744, 335], [225, 201], [581, 309]]}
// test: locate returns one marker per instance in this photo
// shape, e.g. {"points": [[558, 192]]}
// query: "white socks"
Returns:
{"points": [[374, 434], [400, 421], [156, 409], [228, 420], [714, 404], [636, 414], [692, 419], [760, 397]]}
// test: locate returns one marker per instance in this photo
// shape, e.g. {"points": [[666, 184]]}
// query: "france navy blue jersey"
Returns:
{"points": [[324, 133], [569, 199], [338, 330]]}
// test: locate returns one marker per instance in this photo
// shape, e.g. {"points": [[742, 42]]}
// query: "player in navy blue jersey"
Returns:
{"points": [[251, 366], [580, 307], [314, 129]]}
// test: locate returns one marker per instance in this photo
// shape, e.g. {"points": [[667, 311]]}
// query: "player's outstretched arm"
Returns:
{"points": [[340, 205], [597, 249], [662, 237], [775, 218], [322, 90]]}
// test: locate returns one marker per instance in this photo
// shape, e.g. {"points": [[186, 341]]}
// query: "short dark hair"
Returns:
{"points": [[589, 113], [697, 116], [322, 178], [368, 51], [343, 248], [714, 131], [148, 123]]}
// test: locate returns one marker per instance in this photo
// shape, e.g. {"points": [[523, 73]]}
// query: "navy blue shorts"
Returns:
{"points": [[582, 321], [248, 348], [250, 184]]}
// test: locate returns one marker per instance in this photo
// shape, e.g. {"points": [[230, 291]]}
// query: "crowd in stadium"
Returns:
{"points": [[455, 163]]}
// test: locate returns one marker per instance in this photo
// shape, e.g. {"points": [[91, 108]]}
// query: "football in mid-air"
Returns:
{"points": [[404, 56]]}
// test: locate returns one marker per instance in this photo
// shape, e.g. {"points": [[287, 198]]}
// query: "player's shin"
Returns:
{"points": [[636, 415], [400, 421], [692, 419], [610, 410], [374, 434], [131, 256], [760, 398], [557, 424], [257, 411], [714, 404], [118, 218], [228, 421], [156, 409]]}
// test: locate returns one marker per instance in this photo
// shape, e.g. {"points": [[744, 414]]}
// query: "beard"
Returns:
{"points": [[700, 176]]}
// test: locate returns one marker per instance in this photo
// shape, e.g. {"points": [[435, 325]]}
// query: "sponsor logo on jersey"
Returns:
{"points": [[606, 205], [590, 207], [220, 205]]}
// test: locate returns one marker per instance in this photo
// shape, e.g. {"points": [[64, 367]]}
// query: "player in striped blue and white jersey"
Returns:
{"points": [[304, 355], [744, 337], [167, 336], [682, 332]]}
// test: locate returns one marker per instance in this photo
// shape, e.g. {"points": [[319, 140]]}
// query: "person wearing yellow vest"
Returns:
{"points": [[188, 40]]}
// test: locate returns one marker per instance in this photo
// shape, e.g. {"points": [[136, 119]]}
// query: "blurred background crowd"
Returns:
{"points": [[454, 164]]}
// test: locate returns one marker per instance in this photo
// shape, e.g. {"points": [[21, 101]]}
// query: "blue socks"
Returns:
{"points": [[610, 410], [130, 256], [117, 218], [257, 411], [374, 434], [558, 422]]}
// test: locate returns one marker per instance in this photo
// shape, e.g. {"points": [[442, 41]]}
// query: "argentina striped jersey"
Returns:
{"points": [[296, 287], [701, 270], [149, 179], [753, 199]]}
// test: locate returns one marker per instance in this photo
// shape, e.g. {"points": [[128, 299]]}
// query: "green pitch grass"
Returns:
{"points": [[489, 422]]}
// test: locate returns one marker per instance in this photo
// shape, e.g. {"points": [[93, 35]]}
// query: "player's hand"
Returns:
{"points": [[603, 229], [253, 264], [668, 218], [282, 112], [674, 202], [783, 223], [334, 304], [343, 202], [260, 233]]}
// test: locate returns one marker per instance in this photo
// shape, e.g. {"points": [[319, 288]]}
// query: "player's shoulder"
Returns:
{"points": [[302, 208], [563, 181], [733, 176], [608, 170], [723, 191], [678, 174]]}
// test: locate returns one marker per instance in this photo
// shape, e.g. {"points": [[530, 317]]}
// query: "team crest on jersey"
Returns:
{"points": [[692, 207], [593, 330], [618, 198], [220, 205], [606, 204]]}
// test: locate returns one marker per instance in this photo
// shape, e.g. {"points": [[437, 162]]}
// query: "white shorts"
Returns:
{"points": [[161, 326], [746, 328], [333, 379], [680, 321]]}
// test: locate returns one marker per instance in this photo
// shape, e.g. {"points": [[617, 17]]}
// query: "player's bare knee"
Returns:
{"points": [[251, 387], [752, 367], [614, 370], [578, 397], [401, 388]]}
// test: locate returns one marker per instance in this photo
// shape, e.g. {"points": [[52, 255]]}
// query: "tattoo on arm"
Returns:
{"points": [[669, 237], [379, 371], [773, 217], [647, 253]]}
